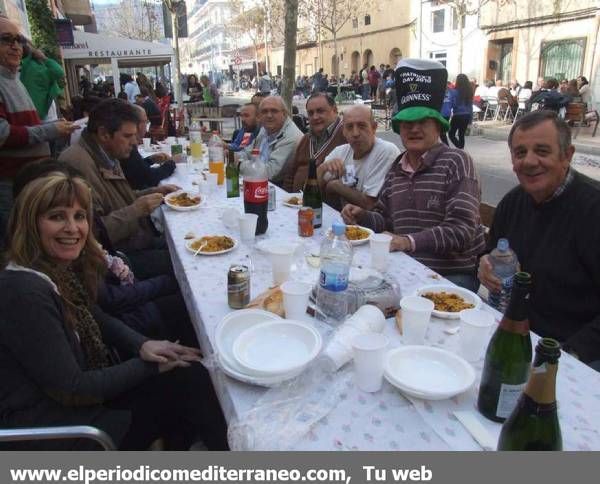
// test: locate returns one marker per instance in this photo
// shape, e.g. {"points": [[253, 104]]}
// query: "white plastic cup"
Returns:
{"points": [[247, 224], [281, 263], [147, 142], [212, 180], [380, 248], [369, 350], [367, 318], [295, 299], [171, 140], [475, 326], [416, 313], [230, 217]]}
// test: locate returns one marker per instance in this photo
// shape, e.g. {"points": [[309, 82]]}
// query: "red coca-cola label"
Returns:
{"points": [[256, 191]]}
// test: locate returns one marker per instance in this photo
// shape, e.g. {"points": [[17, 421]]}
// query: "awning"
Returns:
{"points": [[100, 49]]}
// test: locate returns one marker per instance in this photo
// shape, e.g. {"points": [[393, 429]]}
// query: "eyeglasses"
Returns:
{"points": [[9, 40]]}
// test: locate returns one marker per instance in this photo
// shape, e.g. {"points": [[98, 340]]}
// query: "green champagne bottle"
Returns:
{"points": [[533, 424], [312, 194], [508, 356], [232, 176]]}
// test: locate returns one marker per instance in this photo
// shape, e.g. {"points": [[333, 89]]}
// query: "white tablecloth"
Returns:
{"points": [[385, 420]]}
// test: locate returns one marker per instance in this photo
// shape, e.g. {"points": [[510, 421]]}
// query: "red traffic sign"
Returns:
{"points": [[237, 60]]}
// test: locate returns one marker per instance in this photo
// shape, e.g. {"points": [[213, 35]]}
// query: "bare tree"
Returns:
{"points": [[329, 17], [464, 8], [134, 19], [289, 53], [249, 23], [174, 7]]}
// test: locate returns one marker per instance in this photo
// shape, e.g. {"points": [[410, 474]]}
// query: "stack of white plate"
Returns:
{"points": [[259, 347], [428, 373]]}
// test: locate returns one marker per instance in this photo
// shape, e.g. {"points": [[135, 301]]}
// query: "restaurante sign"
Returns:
{"points": [[110, 53]]}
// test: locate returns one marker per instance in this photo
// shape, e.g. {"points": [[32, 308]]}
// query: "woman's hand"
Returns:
{"points": [[168, 355]]}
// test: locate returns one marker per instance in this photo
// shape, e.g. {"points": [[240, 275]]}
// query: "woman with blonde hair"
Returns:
{"points": [[57, 359]]}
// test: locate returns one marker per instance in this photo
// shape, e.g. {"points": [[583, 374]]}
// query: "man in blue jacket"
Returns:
{"points": [[245, 135]]}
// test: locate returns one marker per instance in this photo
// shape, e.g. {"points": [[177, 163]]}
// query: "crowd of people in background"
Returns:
{"points": [[93, 324]]}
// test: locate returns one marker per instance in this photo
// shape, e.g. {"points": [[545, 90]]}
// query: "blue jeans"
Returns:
{"points": [[366, 91], [6, 203]]}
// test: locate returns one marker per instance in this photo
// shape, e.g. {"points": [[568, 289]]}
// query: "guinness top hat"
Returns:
{"points": [[420, 88]]}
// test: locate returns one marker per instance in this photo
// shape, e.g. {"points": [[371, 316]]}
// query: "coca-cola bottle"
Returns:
{"points": [[256, 191]]}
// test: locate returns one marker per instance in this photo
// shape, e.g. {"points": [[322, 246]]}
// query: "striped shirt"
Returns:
{"points": [[22, 137], [438, 206]]}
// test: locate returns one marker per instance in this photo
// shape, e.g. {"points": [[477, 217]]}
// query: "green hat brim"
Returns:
{"points": [[416, 113]]}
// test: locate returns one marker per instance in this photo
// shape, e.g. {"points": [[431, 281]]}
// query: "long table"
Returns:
{"points": [[334, 414]]}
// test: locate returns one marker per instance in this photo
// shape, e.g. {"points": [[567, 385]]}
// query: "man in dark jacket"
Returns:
{"points": [[152, 111], [550, 220], [138, 170]]}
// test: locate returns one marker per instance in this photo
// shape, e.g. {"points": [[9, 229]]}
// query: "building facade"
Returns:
{"points": [[207, 49], [439, 39], [551, 38], [382, 35], [16, 11]]}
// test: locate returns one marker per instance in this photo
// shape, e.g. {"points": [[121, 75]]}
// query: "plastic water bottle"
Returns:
{"points": [[336, 258], [505, 264]]}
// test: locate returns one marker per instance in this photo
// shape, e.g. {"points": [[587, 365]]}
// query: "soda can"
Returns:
{"points": [[305, 222], [272, 199], [238, 286]]}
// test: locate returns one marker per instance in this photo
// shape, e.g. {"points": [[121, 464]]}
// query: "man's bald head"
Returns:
{"points": [[360, 110], [11, 44], [142, 121]]}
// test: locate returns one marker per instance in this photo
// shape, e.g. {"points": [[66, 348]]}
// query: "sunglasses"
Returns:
{"points": [[9, 39]]}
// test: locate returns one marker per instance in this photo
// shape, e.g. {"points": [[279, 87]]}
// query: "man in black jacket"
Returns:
{"points": [[138, 170], [551, 222]]}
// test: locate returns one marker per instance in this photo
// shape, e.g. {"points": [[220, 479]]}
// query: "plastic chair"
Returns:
{"points": [[491, 108], [58, 433], [381, 114]]}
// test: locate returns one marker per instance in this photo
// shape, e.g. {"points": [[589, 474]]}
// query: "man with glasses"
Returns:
{"points": [[278, 137], [22, 136], [324, 135]]}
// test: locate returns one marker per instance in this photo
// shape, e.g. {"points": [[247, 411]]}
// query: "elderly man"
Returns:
{"points": [[110, 136], [244, 136], [354, 172], [551, 221], [430, 197], [22, 136], [278, 137], [324, 135], [137, 170]]}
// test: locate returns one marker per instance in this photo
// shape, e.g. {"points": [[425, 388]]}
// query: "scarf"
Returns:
{"points": [[86, 327]]}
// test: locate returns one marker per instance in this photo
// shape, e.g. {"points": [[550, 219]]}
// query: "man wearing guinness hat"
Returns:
{"points": [[430, 198]]}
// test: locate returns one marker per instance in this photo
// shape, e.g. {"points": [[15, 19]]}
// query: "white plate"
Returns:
{"points": [[276, 347], [188, 246], [254, 380], [356, 242], [182, 209], [290, 195], [232, 325], [428, 373], [468, 296]]}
